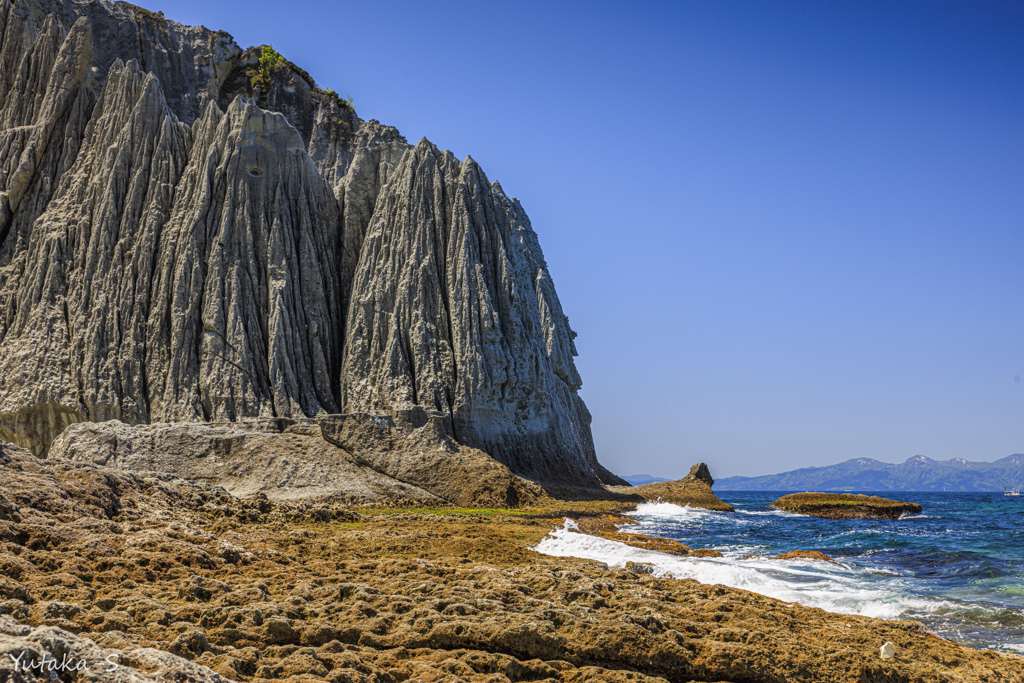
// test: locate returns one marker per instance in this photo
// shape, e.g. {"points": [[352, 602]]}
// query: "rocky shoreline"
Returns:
{"points": [[294, 400], [188, 583]]}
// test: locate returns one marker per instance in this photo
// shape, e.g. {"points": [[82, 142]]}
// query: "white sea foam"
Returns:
{"points": [[834, 588], [769, 513], [858, 532], [670, 512], [740, 551]]}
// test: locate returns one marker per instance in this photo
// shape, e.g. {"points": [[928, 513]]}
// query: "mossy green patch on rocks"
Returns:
{"points": [[450, 511], [344, 102], [270, 59], [142, 11]]}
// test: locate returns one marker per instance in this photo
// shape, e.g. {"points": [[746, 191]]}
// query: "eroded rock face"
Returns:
{"points": [[357, 459], [177, 245], [452, 309], [279, 458]]}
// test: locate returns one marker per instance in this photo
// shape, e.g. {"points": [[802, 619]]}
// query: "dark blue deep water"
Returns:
{"points": [[958, 567]]}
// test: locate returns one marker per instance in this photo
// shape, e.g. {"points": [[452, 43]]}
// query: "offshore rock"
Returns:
{"points": [[845, 506], [694, 490], [179, 246], [815, 555]]}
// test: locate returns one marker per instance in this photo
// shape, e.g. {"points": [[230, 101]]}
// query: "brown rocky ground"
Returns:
{"points": [[845, 506], [182, 579]]}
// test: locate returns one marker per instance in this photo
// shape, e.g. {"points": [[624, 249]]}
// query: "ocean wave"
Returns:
{"points": [[813, 584], [769, 513], [738, 552], [956, 568], [858, 532], [670, 512]]}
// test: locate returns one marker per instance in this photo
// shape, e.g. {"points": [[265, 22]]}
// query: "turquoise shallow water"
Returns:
{"points": [[958, 567], [959, 564]]}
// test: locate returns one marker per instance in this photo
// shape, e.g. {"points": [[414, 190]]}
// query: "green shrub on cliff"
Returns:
{"points": [[270, 59], [347, 102], [259, 76]]}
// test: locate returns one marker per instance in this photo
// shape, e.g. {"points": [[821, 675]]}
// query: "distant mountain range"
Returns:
{"points": [[865, 474], [641, 479]]}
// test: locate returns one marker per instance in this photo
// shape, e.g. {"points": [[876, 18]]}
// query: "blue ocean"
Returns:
{"points": [[958, 567]]}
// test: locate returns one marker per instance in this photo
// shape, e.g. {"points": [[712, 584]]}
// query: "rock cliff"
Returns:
{"points": [[193, 233]]}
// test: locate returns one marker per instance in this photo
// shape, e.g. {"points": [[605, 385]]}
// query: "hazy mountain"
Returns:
{"points": [[641, 479], [918, 473]]}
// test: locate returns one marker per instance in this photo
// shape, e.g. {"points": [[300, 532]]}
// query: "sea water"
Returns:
{"points": [[958, 567]]}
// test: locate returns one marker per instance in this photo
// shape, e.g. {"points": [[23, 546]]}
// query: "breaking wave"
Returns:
{"points": [[800, 581], [956, 568]]}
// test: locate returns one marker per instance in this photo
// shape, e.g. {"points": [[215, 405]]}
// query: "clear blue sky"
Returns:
{"points": [[787, 233]]}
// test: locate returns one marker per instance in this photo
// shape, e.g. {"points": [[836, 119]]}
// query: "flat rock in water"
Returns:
{"points": [[844, 506], [815, 555]]}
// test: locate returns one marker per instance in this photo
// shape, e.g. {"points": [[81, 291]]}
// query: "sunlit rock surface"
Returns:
{"points": [[180, 245]]}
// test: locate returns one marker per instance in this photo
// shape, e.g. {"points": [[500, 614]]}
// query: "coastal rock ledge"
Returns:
{"points": [[188, 584], [844, 506], [693, 490]]}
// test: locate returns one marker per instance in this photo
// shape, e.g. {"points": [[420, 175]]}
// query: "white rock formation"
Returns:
{"points": [[178, 246]]}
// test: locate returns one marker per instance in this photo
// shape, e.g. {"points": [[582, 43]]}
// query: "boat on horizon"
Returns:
{"points": [[1011, 492]]}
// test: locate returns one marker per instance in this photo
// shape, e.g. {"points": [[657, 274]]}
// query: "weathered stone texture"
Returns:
{"points": [[280, 458], [452, 309], [176, 246]]}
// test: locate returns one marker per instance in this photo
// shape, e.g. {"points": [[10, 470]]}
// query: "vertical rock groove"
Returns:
{"points": [[176, 246]]}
